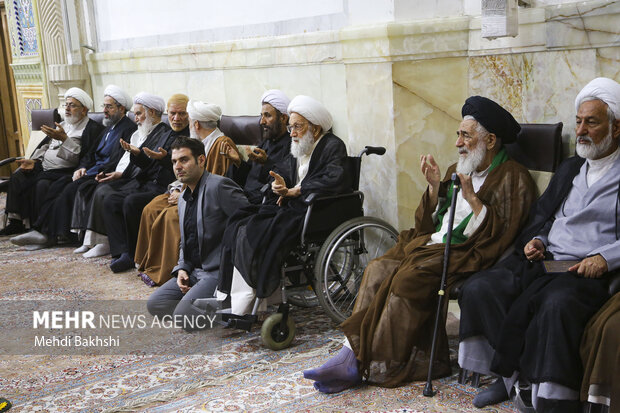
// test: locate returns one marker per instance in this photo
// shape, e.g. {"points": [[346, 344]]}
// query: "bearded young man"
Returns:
{"points": [[389, 333], [204, 208], [157, 249], [253, 174], [68, 144], [523, 319], [54, 219], [259, 237]]}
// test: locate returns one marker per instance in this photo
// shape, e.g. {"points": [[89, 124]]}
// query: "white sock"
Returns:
{"points": [[97, 251], [81, 249]]}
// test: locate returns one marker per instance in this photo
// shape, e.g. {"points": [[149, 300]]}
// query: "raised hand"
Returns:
{"points": [[257, 155], [160, 154], [469, 195], [230, 153], [127, 147], [58, 133]]}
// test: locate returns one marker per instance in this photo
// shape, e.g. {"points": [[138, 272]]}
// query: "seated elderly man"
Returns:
{"points": [[523, 319], [69, 142], [600, 354], [389, 333], [95, 244], [204, 207], [54, 219], [157, 249], [120, 196], [258, 238]]}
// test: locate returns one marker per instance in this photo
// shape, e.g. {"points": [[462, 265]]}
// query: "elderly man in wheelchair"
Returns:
{"points": [[261, 244]]}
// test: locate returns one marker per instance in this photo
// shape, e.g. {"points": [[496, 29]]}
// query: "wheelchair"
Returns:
{"points": [[326, 268]]}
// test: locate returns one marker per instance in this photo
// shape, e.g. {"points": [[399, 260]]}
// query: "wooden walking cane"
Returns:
{"points": [[428, 389]]}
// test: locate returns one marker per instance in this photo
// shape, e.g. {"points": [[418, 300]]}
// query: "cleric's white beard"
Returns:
{"points": [[304, 147], [472, 159], [592, 150], [193, 134], [146, 127], [71, 120]]}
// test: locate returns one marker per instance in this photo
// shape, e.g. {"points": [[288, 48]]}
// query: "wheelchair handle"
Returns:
{"points": [[369, 150]]}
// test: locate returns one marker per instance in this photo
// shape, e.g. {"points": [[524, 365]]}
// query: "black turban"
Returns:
{"points": [[493, 117]]}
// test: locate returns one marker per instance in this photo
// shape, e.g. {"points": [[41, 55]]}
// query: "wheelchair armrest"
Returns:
{"points": [[314, 197], [614, 283], [9, 160]]}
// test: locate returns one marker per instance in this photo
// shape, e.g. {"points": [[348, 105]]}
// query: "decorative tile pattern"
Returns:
{"points": [[26, 31]]}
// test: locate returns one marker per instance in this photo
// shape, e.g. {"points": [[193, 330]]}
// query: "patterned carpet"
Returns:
{"points": [[242, 375]]}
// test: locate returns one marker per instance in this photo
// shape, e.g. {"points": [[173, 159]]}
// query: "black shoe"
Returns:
{"points": [[15, 227]]}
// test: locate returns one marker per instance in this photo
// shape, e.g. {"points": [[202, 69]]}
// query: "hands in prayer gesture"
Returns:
{"points": [[58, 133], [127, 147], [257, 155], [26, 164], [160, 154], [431, 172]]}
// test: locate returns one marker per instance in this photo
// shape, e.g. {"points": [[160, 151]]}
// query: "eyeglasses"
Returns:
{"points": [[72, 105], [297, 127], [109, 106]]}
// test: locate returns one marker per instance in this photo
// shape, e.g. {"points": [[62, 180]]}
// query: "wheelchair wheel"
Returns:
{"points": [[342, 259], [302, 297], [274, 336]]}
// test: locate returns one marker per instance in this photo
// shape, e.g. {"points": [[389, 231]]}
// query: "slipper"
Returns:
{"points": [[4, 404]]}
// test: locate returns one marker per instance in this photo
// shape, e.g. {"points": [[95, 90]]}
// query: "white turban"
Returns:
{"points": [[204, 112], [150, 101], [604, 89], [277, 99], [118, 95], [79, 94], [312, 110]]}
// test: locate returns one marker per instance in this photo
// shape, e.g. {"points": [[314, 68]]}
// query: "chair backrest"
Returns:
{"points": [[42, 117], [538, 148], [354, 164], [243, 130]]}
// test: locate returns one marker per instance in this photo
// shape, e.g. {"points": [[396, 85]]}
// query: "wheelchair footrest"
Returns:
{"points": [[241, 322]]}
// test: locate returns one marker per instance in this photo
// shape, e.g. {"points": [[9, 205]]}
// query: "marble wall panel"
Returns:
{"points": [[428, 96], [500, 78], [370, 102], [207, 86], [609, 62]]}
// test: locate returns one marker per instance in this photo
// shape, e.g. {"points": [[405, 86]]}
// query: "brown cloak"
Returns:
{"points": [[600, 354], [157, 251], [392, 322]]}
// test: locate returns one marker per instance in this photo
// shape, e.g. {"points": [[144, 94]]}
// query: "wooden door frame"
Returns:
{"points": [[10, 126]]}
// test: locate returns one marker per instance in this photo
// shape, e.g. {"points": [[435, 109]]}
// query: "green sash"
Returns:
{"points": [[457, 233]]}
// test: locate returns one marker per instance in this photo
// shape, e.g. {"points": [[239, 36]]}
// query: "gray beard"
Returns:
{"points": [[592, 150], [111, 120], [472, 160], [71, 120], [304, 147]]}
